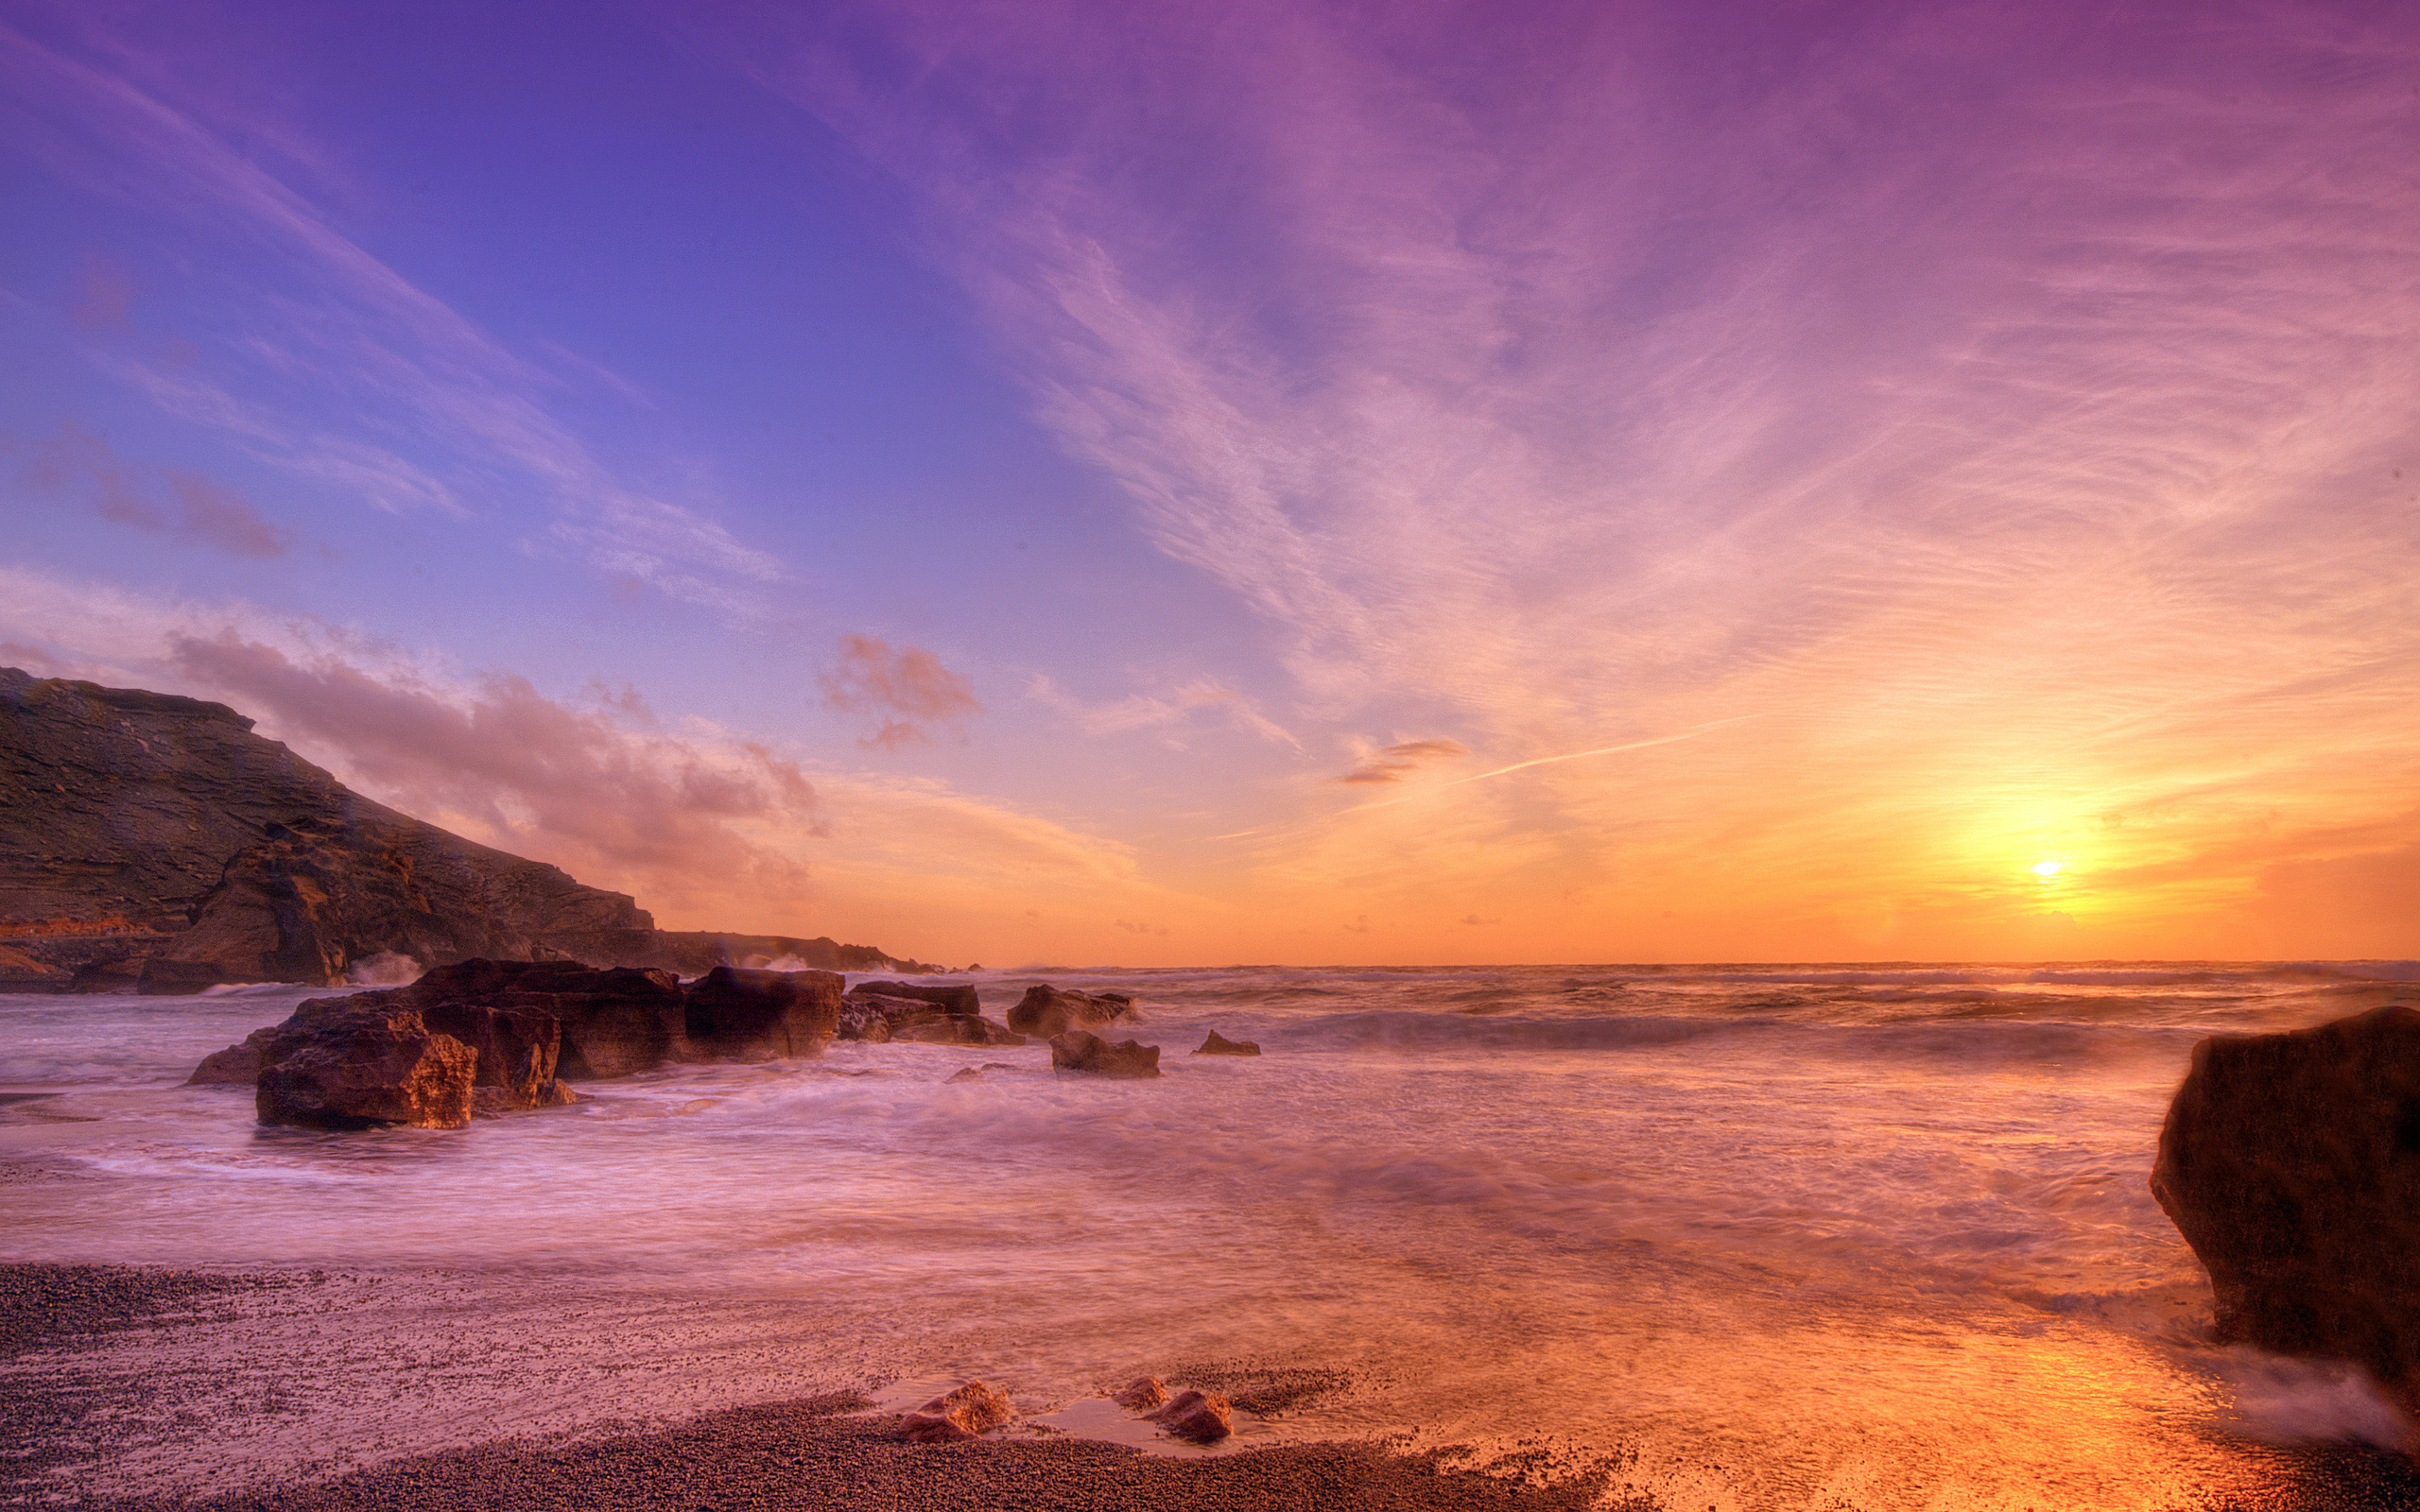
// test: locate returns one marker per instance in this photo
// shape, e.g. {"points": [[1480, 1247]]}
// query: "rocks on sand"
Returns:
{"points": [[1196, 1416], [1076, 1050], [962, 1413], [1218, 1044], [1140, 1394], [1050, 1011], [2291, 1162]]}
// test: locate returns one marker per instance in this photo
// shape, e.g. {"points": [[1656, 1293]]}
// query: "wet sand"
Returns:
{"points": [[71, 1417]]}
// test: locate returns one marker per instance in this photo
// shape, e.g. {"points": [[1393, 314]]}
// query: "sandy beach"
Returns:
{"points": [[110, 1411]]}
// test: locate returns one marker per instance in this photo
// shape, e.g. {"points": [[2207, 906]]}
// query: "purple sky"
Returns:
{"points": [[1413, 483]]}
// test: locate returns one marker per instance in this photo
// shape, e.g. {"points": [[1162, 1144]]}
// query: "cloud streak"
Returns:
{"points": [[345, 365]]}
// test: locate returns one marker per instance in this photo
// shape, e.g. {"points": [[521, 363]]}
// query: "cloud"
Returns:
{"points": [[335, 366], [518, 765], [1142, 711], [1392, 764], [1925, 390], [871, 679], [195, 510]]}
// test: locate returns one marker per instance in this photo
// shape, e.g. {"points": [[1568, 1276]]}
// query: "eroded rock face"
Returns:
{"points": [[366, 1066], [2291, 1162], [738, 1014], [1218, 1044], [1047, 1011], [1196, 1416], [1076, 1050], [959, 1414]]}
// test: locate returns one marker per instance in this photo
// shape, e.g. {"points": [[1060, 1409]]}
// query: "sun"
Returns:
{"points": [[2048, 869]]}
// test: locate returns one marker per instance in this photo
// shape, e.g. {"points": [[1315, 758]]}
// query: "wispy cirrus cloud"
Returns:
{"points": [[1996, 416], [1139, 711], [164, 501], [335, 366]]}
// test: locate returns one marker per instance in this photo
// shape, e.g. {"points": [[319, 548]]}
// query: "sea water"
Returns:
{"points": [[1735, 1237]]}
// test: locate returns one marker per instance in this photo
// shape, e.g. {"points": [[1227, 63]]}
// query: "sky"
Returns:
{"points": [[1321, 483]]}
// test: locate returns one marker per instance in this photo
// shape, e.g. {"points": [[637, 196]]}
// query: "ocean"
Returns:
{"points": [[1732, 1237]]}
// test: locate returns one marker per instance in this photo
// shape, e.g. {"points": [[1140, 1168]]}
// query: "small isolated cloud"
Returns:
{"points": [[182, 505], [908, 689], [1475, 921], [1361, 925], [1395, 763], [1142, 713], [1142, 929]]}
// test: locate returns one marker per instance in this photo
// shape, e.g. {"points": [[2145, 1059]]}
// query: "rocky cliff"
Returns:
{"points": [[155, 840]]}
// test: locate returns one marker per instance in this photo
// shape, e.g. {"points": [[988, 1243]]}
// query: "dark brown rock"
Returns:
{"points": [[2291, 1162], [1046, 1010], [959, 1414], [1196, 1416], [1079, 1050], [878, 1018], [366, 1065], [962, 1001], [237, 1065], [737, 1014], [1218, 1044], [1141, 1393]]}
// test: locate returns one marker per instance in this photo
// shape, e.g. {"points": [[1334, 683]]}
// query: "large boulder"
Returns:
{"points": [[738, 1014], [366, 1066], [1090, 1053], [1046, 1010], [1218, 1044], [613, 1023], [2291, 1162]]}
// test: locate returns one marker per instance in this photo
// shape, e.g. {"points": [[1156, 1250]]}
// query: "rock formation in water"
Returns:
{"points": [[2291, 1162], [883, 1011], [1218, 1044], [152, 840], [520, 1027], [1046, 1011], [1076, 1050], [341, 1063]]}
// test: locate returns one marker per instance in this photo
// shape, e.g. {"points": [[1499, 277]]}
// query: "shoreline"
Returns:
{"points": [[79, 1376]]}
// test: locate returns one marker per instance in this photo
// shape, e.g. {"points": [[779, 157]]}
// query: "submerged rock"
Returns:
{"points": [[1220, 1045], [962, 1413], [2291, 1163], [1196, 1416], [237, 1065], [1089, 1053], [1141, 1393], [366, 1066], [1046, 1010]]}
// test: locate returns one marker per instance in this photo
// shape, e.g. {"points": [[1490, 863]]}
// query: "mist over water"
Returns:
{"points": [[1766, 1237]]}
